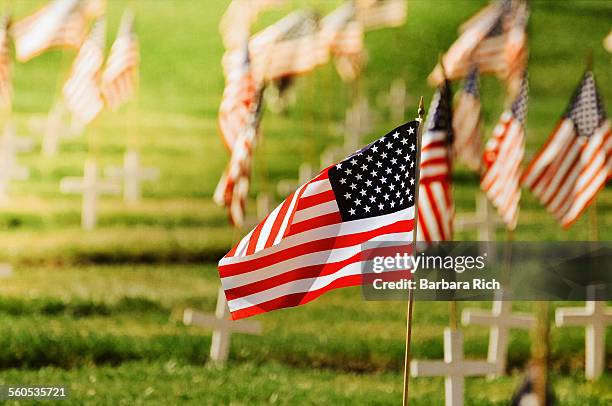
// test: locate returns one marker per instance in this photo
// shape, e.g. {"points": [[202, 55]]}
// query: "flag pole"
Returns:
{"points": [[420, 112]]}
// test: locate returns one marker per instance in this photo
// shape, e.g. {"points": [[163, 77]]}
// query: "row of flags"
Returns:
{"points": [[93, 82], [314, 240], [294, 45]]}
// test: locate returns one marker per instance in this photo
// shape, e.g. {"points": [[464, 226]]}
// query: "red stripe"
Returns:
{"points": [[255, 237], [324, 244], [314, 200], [426, 236], [315, 222]]}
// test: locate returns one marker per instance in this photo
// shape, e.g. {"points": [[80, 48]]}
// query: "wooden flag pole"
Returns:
{"points": [[421, 113]]}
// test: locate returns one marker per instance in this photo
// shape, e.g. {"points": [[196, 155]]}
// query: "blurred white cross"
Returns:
{"points": [[595, 317], [454, 368], [222, 327], [501, 319], [6, 270], [485, 221], [133, 175], [91, 187], [10, 146]]}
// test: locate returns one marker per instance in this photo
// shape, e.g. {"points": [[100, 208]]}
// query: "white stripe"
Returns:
{"points": [[428, 216], [334, 230], [317, 187], [285, 223], [315, 211], [265, 230]]}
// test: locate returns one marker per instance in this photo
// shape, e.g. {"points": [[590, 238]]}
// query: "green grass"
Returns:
{"points": [[101, 310]]}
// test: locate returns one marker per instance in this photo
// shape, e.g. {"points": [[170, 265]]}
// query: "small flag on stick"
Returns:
{"points": [[502, 159], [576, 161], [467, 123], [5, 65], [436, 210], [120, 76], [312, 242], [82, 89]]}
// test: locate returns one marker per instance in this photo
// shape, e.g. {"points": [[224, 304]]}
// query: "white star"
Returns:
{"points": [[372, 199], [383, 180], [338, 166], [347, 195], [374, 173], [392, 204], [394, 161], [368, 182], [398, 151], [403, 185], [404, 141], [397, 178], [358, 177], [377, 189], [357, 202], [412, 181], [389, 144], [353, 161], [343, 181], [410, 198], [397, 194], [402, 168], [378, 164], [364, 167], [412, 164], [407, 157], [367, 209], [353, 186], [348, 171], [352, 211], [383, 155], [375, 148], [386, 196], [402, 201], [411, 131], [388, 170], [363, 192], [369, 158], [392, 187], [412, 147], [395, 135], [381, 206]]}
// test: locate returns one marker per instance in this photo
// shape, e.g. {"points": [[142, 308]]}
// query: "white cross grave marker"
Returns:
{"points": [[595, 317], [501, 319], [52, 129], [91, 187], [454, 368], [10, 146], [133, 175], [485, 221], [222, 327], [359, 121]]}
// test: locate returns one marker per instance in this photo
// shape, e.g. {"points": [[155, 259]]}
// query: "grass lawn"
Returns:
{"points": [[101, 310]]}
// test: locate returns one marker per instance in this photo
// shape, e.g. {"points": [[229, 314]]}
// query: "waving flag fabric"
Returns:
{"points": [[120, 76], [235, 26], [239, 99], [375, 14], [290, 46], [436, 210], [343, 35], [467, 123], [239, 119], [82, 89], [311, 243], [502, 159], [5, 65], [576, 161], [60, 24]]}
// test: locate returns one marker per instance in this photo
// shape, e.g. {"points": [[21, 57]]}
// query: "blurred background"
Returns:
{"points": [[101, 310]]}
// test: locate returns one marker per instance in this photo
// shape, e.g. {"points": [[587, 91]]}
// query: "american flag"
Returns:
{"points": [[375, 14], [312, 242], [502, 159], [5, 65], [576, 161], [233, 187], [239, 98], [61, 23], [494, 40], [343, 35], [436, 210], [291, 46], [120, 76], [82, 89], [467, 123], [235, 25]]}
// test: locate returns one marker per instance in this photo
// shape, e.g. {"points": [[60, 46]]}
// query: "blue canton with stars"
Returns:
{"points": [[378, 179]]}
